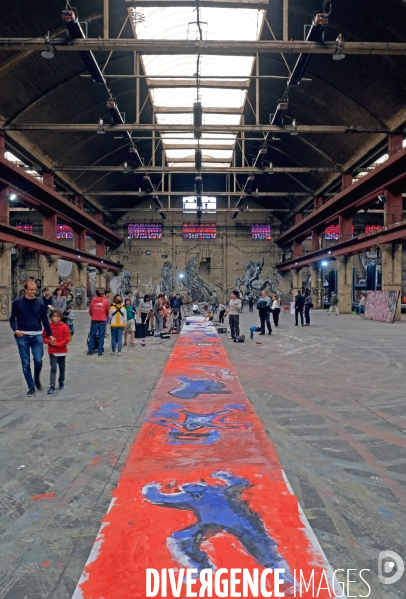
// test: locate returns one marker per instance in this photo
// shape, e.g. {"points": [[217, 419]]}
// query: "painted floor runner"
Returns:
{"points": [[202, 489]]}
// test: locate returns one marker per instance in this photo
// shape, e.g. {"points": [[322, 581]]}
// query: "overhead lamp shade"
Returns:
{"points": [[48, 54], [338, 56]]}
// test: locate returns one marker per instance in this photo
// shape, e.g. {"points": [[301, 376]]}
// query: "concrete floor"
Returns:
{"points": [[331, 398]]}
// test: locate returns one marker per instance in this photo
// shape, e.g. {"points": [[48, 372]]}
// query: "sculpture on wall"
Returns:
{"points": [[250, 284], [200, 290]]}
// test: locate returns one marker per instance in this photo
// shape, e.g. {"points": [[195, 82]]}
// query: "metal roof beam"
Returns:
{"points": [[216, 48], [206, 83], [287, 129], [202, 3], [205, 169], [188, 109], [253, 196]]}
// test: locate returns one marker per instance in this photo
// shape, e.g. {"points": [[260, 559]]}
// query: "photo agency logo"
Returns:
{"points": [[390, 567]]}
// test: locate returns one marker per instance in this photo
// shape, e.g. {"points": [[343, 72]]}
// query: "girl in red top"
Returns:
{"points": [[57, 349]]}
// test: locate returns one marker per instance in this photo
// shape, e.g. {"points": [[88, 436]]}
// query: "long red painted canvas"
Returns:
{"points": [[203, 496], [381, 305]]}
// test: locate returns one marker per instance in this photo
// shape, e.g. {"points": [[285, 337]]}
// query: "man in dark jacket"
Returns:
{"points": [[264, 309], [28, 316], [299, 305]]}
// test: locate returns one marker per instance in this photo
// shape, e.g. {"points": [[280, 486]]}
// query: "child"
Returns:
{"points": [[130, 326], [209, 315], [118, 320], [57, 349], [68, 318]]}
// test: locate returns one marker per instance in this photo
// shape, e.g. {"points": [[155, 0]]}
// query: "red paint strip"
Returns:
{"points": [[135, 531], [50, 495]]}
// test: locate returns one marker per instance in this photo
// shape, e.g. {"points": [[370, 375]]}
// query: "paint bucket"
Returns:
{"points": [[141, 331]]}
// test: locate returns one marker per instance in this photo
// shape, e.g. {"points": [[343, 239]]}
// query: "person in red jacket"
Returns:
{"points": [[99, 310], [57, 348]]}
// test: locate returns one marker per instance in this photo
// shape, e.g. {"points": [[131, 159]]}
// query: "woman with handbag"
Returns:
{"points": [[307, 305]]}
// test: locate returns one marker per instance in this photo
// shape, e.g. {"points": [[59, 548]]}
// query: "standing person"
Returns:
{"points": [[145, 308], [57, 349], [213, 301], [264, 310], [130, 325], [69, 317], [299, 305], [195, 309], [178, 305], [360, 309], [118, 321], [172, 300], [106, 295], [28, 316], [307, 305], [276, 309], [234, 309], [47, 299], [251, 303], [99, 312], [58, 300], [176, 320], [333, 304], [221, 310], [158, 309]]}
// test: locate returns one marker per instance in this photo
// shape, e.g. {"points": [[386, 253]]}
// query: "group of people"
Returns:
{"points": [[121, 314], [303, 302]]}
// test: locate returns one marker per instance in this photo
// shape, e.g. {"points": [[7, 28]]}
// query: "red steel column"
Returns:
{"points": [[48, 179], [345, 225], [2, 144], [79, 202], [101, 249], [346, 180], [49, 227], [4, 206], [394, 143], [393, 207], [318, 202], [297, 245], [315, 241], [80, 240]]}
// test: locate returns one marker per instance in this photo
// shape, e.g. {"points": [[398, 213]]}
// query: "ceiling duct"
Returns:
{"points": [[75, 31], [198, 158], [198, 185], [197, 118]]}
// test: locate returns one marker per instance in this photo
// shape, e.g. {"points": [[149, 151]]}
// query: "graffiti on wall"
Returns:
{"points": [[255, 280]]}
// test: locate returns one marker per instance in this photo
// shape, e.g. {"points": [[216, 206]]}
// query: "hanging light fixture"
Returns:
{"points": [[48, 53], [125, 169], [294, 130], [339, 54], [100, 126], [271, 171]]}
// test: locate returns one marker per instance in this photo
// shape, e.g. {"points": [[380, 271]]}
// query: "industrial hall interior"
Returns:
{"points": [[202, 299]]}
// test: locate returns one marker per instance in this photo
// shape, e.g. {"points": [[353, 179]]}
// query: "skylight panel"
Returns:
{"points": [[230, 72], [210, 98]]}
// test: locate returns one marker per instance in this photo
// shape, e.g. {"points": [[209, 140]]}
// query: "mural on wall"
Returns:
{"points": [[121, 283], [166, 285], [251, 284], [199, 289]]}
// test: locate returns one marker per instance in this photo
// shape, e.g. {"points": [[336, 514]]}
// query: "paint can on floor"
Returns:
{"points": [[143, 343]]}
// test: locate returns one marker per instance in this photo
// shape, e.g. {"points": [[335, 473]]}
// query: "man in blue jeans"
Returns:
{"points": [[28, 316], [99, 311]]}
